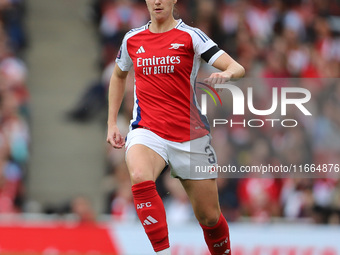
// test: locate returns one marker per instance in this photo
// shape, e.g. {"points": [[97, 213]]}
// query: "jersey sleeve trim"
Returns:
{"points": [[123, 67], [201, 42], [197, 31], [215, 56]]}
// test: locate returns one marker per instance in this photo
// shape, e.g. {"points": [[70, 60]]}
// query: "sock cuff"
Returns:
{"points": [[146, 189], [220, 220]]}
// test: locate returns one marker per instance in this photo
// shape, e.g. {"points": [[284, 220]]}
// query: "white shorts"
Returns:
{"points": [[193, 159]]}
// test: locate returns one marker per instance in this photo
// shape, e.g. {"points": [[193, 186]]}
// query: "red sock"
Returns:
{"points": [[151, 213], [217, 237]]}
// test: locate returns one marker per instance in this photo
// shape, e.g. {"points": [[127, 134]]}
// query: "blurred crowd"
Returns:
{"points": [[271, 39], [14, 112]]}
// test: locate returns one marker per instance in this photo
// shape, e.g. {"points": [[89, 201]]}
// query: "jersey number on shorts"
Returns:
{"points": [[211, 155]]}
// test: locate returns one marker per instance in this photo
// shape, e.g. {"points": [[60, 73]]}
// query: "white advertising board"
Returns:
{"points": [[246, 239]]}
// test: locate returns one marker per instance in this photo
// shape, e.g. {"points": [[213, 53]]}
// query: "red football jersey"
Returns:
{"points": [[166, 66]]}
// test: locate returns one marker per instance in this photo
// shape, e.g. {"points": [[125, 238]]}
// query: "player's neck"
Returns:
{"points": [[161, 27]]}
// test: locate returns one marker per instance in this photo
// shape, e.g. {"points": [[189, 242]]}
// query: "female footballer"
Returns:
{"points": [[168, 128]]}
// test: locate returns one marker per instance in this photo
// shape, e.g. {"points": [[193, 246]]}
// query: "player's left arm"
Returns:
{"points": [[230, 69]]}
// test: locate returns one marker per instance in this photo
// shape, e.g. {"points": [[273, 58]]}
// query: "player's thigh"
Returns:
{"points": [[203, 195], [143, 163], [145, 155]]}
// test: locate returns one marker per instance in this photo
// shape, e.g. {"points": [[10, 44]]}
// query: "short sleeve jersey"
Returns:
{"points": [[166, 66]]}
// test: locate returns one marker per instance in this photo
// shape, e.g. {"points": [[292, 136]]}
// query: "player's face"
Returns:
{"points": [[160, 10]]}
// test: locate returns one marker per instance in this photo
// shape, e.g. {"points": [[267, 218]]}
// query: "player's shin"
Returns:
{"points": [[217, 237], [151, 213]]}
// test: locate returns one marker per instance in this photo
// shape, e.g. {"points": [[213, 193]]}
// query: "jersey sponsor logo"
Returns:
{"points": [[149, 221], [221, 244], [158, 65], [140, 50], [142, 205], [154, 61], [175, 46], [227, 251]]}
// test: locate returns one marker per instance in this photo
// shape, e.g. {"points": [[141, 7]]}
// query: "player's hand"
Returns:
{"points": [[114, 137], [218, 78]]}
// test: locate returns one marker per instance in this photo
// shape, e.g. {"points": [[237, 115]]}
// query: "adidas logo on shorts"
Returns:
{"points": [[140, 50], [149, 221]]}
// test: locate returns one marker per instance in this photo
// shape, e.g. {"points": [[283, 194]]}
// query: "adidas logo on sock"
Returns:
{"points": [[140, 50], [149, 220]]}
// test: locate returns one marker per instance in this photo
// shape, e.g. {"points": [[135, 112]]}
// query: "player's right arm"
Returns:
{"points": [[116, 94]]}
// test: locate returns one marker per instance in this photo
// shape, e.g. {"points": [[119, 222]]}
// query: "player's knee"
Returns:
{"points": [[139, 175], [208, 218]]}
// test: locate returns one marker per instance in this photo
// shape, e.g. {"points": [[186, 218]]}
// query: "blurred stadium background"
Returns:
{"points": [[64, 191]]}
